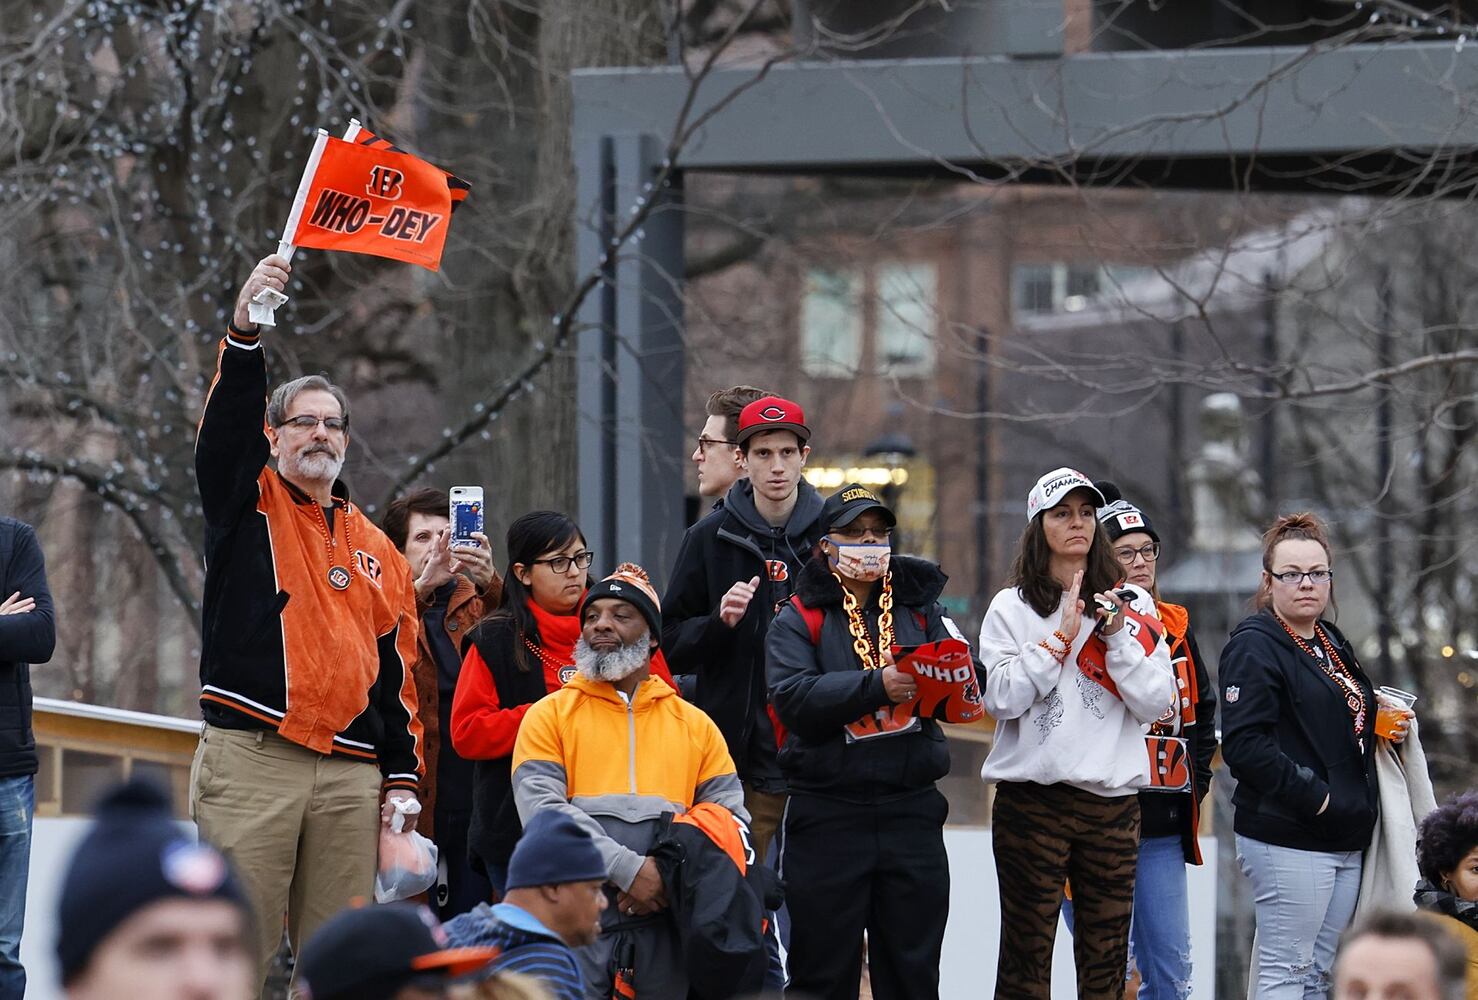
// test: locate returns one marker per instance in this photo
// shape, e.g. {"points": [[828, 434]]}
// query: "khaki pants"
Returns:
{"points": [[765, 810], [300, 828]]}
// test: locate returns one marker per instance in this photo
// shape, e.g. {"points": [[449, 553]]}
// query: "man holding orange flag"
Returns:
{"points": [[310, 631]]}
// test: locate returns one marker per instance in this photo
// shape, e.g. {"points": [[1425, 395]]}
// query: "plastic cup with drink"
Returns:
{"points": [[1394, 704]]}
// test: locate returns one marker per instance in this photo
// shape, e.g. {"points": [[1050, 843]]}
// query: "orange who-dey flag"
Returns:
{"points": [[374, 200]]}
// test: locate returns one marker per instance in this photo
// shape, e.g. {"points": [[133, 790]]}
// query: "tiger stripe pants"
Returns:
{"points": [[1043, 835]]}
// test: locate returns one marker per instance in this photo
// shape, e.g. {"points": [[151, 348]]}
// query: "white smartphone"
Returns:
{"points": [[466, 514]]}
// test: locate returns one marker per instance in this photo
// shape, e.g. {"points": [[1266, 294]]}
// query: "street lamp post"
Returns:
{"points": [[893, 448]]}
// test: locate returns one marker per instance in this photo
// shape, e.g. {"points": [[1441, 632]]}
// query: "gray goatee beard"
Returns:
{"points": [[616, 665], [319, 467]]}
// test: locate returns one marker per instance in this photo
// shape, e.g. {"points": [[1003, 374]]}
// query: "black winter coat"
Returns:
{"points": [[722, 669], [1288, 740], [24, 639], [818, 690], [494, 828], [719, 912]]}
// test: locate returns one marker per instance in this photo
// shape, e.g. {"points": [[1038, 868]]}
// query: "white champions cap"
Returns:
{"points": [[1055, 485]]}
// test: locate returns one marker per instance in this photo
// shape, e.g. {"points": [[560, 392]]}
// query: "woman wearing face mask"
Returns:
{"points": [[1071, 690], [1298, 733], [514, 657], [862, 841]]}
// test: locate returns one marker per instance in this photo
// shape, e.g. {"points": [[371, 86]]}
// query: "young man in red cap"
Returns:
{"points": [[734, 569]]}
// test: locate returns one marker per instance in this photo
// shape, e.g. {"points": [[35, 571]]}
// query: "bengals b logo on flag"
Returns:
{"points": [[456, 186], [374, 199]]}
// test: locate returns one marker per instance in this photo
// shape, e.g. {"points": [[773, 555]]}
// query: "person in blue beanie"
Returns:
{"points": [[553, 904], [147, 913]]}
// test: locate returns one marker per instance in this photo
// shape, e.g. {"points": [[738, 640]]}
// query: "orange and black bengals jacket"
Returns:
{"points": [[283, 649]]}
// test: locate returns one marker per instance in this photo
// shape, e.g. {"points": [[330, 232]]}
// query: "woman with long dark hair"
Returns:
{"points": [[1298, 733], [1071, 692], [514, 657]]}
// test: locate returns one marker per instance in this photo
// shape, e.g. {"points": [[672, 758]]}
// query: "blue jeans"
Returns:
{"points": [[17, 807], [1303, 901], [1160, 931], [1160, 936]]}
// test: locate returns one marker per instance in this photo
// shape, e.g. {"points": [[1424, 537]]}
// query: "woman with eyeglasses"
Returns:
{"points": [[514, 657], [1298, 733], [1160, 931], [862, 840]]}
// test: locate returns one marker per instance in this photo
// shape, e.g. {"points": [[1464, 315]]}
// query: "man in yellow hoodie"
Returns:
{"points": [[615, 748]]}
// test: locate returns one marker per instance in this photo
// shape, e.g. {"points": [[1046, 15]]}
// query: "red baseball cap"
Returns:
{"points": [[771, 413]]}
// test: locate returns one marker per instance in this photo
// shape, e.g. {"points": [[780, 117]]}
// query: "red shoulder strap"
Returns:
{"points": [[813, 618]]}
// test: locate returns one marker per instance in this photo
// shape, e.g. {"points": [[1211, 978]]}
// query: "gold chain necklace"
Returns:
{"points": [[857, 625]]}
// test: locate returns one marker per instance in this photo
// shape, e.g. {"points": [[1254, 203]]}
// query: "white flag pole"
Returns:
{"points": [[265, 302], [352, 132]]}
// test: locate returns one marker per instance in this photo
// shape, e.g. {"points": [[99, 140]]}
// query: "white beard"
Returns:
{"points": [[616, 665], [318, 467]]}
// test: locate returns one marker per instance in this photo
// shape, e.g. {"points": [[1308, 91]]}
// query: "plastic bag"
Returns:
{"points": [[407, 859]]}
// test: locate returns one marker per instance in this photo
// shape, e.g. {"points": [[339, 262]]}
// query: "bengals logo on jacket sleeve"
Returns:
{"points": [[370, 567]]}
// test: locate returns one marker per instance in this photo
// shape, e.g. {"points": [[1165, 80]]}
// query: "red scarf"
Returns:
{"points": [[557, 633]]}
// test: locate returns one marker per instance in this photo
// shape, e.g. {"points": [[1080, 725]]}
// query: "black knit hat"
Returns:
{"points": [[134, 855], [1119, 517], [631, 584]]}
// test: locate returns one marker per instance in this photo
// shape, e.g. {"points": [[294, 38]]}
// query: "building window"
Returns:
{"points": [[891, 305], [831, 324], [905, 319], [1043, 289]]}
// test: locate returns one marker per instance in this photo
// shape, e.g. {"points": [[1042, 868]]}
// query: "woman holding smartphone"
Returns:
{"points": [[1298, 733], [514, 657], [1071, 691]]}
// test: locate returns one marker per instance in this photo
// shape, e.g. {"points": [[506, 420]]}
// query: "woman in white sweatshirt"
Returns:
{"points": [[1071, 692]]}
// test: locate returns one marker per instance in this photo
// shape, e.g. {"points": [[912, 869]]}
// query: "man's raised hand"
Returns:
{"points": [[271, 272]]}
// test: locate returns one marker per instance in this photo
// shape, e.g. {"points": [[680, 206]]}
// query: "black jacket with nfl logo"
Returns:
{"points": [[722, 669], [1288, 739]]}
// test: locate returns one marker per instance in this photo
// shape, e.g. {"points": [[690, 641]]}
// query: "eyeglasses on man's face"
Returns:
{"points": [[705, 442], [308, 423], [1149, 552], [1292, 578], [562, 564]]}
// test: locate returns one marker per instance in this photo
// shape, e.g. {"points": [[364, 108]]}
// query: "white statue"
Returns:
{"points": [[1226, 492]]}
